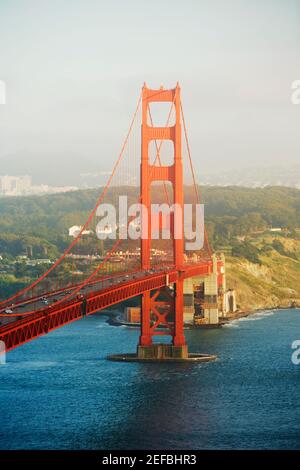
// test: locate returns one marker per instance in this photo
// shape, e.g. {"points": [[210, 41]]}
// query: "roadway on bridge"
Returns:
{"points": [[45, 301]]}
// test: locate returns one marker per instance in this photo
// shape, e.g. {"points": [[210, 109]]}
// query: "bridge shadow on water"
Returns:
{"points": [[161, 410], [162, 406]]}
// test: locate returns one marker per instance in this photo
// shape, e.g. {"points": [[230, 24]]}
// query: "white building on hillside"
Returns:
{"points": [[75, 230]]}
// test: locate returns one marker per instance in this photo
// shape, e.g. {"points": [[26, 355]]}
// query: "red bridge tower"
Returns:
{"points": [[162, 311]]}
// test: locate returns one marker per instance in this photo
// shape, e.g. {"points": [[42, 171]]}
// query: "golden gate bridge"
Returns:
{"points": [[85, 279]]}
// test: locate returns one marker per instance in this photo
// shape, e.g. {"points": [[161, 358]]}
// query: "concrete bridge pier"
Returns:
{"points": [[210, 299], [204, 296], [188, 300]]}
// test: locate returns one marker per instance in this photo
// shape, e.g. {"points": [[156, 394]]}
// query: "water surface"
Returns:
{"points": [[59, 392]]}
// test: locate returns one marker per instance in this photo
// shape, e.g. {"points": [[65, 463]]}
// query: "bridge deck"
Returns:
{"points": [[92, 299]]}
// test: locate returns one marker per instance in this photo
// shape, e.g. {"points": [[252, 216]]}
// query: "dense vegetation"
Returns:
{"points": [[39, 225], [238, 222], [235, 211]]}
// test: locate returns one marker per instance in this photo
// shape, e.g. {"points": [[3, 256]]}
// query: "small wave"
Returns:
{"points": [[268, 313], [260, 315], [252, 317], [232, 324], [32, 364]]}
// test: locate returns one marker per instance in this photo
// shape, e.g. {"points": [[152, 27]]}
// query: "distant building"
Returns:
{"points": [[14, 185], [132, 314], [75, 230], [45, 189], [35, 262], [103, 232], [22, 186], [229, 300]]}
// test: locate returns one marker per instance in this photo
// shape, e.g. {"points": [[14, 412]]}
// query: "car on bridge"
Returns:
{"points": [[8, 310]]}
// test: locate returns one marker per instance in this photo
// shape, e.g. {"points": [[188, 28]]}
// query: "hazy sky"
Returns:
{"points": [[73, 71]]}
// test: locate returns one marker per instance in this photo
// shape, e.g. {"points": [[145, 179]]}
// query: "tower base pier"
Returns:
{"points": [[162, 353]]}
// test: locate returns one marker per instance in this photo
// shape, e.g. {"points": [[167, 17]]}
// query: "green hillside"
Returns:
{"points": [[274, 281], [261, 265]]}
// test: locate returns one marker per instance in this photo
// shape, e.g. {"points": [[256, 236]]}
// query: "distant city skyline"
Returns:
{"points": [[14, 185], [73, 72], [252, 177]]}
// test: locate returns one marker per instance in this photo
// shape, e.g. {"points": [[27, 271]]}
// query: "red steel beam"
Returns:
{"points": [[21, 331]]}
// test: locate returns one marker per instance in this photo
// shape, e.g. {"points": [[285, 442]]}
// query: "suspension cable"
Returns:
{"points": [[193, 175], [116, 244], [83, 228]]}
